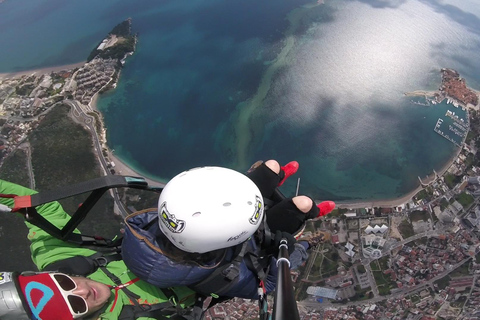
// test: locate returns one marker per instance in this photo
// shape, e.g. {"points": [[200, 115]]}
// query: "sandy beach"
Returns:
{"points": [[389, 203], [120, 167], [123, 169], [46, 70]]}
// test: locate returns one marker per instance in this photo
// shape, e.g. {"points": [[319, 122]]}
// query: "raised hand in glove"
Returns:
{"points": [[279, 235]]}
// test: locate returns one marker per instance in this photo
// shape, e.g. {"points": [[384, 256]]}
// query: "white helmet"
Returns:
{"points": [[209, 208]]}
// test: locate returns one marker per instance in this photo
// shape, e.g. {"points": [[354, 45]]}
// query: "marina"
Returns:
{"points": [[454, 128]]}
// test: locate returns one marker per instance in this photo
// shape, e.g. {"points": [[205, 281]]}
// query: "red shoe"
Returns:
{"points": [[289, 169], [325, 208]]}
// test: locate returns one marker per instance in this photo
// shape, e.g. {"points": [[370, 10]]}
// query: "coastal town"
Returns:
{"points": [[414, 258]]}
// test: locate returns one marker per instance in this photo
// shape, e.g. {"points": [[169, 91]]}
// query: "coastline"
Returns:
{"points": [[389, 203], [8, 75], [123, 168], [120, 166]]}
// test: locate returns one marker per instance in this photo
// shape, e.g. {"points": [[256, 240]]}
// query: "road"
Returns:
{"points": [[81, 117]]}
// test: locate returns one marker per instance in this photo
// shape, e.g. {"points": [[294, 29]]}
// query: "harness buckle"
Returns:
{"points": [[231, 272], [101, 261]]}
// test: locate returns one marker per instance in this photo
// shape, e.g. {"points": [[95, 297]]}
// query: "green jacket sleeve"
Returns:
{"points": [[45, 249]]}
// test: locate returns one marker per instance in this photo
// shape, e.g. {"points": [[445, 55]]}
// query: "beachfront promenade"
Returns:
{"points": [[121, 168]]}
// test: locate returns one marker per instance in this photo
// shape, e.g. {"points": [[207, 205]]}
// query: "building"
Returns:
{"points": [[322, 292]]}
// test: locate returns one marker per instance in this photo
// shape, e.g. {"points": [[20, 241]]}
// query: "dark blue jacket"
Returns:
{"points": [[142, 252]]}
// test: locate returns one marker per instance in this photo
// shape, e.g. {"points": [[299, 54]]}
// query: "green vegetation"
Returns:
{"points": [[406, 229], [459, 303], [419, 215], [421, 241], [98, 121], [384, 282], [124, 45], [313, 225], [15, 168], [383, 262], [443, 282], [53, 141], [58, 160], [61, 155], [361, 268], [51, 92], [451, 180], [470, 160], [444, 204], [461, 271], [119, 50], [325, 264], [140, 199], [24, 90], [337, 213], [470, 136], [422, 194], [122, 29], [301, 292], [465, 199], [415, 298], [361, 294]]}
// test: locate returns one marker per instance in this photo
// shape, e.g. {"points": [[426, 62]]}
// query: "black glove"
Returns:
{"points": [[279, 235]]}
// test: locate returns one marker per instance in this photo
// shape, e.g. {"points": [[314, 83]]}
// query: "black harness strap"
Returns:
{"points": [[159, 311], [222, 278], [82, 265], [102, 184], [97, 187]]}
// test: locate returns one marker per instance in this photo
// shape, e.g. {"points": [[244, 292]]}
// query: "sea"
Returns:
{"points": [[229, 82]]}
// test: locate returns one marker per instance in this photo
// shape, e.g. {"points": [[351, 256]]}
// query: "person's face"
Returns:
{"points": [[95, 293]]}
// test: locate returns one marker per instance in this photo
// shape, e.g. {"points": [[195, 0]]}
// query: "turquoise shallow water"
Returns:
{"points": [[230, 82]]}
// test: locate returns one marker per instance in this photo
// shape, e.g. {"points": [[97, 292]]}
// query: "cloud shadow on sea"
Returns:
{"points": [[382, 4], [75, 51], [240, 20], [467, 19], [466, 60], [43, 10]]}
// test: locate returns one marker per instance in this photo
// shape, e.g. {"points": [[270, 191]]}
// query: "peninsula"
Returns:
{"points": [[26, 98], [454, 88]]}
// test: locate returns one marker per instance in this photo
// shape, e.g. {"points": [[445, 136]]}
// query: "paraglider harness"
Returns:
{"points": [[109, 250]]}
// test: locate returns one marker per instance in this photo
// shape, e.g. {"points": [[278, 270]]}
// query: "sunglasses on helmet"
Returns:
{"points": [[77, 304]]}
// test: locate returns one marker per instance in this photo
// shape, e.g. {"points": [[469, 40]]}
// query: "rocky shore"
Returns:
{"points": [[456, 88]]}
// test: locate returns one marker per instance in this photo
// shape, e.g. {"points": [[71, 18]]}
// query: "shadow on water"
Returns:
{"points": [[380, 4], [467, 19]]}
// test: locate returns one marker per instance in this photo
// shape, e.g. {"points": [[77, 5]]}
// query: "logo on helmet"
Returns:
{"points": [[4, 277], [234, 238], [258, 211], [169, 220]]}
